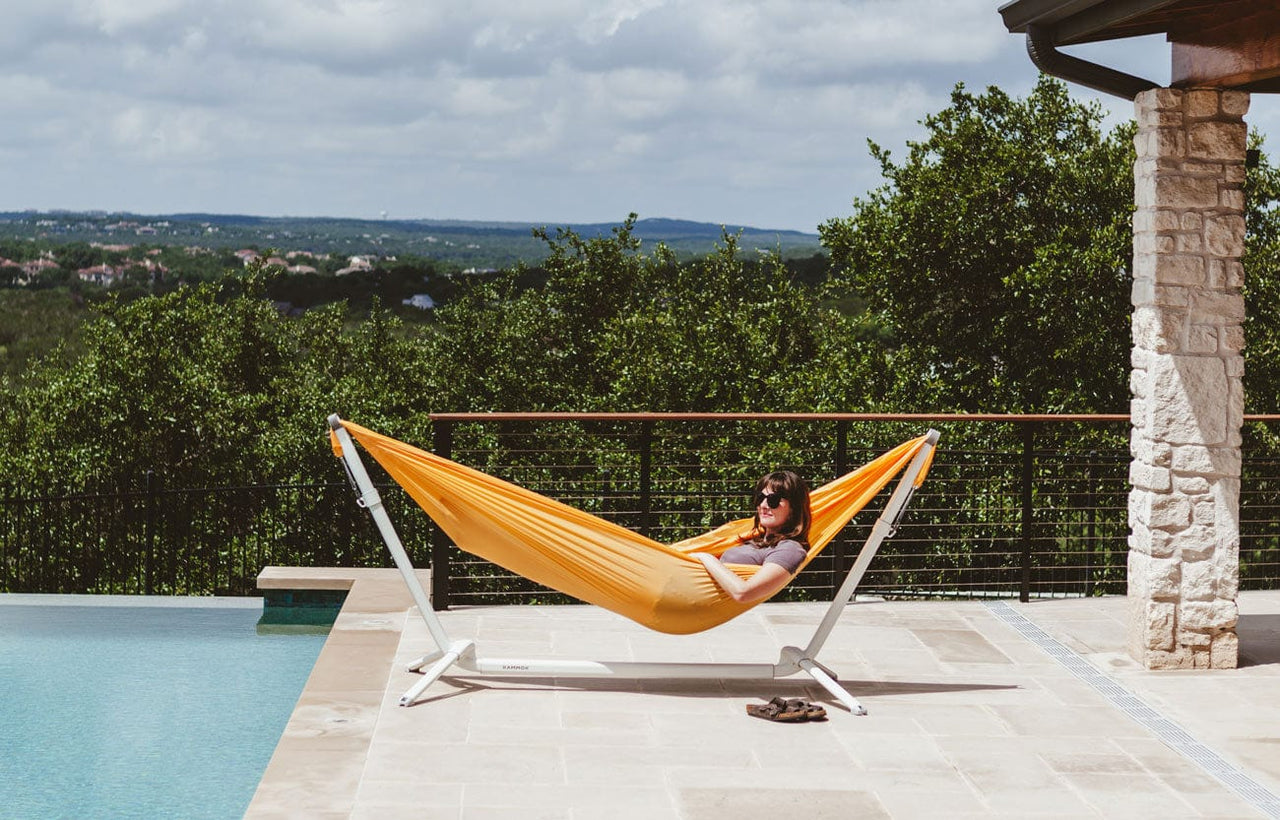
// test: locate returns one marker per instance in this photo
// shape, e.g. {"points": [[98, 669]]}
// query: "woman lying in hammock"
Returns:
{"points": [[778, 543]]}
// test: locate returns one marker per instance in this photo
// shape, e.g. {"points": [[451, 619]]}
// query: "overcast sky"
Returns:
{"points": [[751, 112]]}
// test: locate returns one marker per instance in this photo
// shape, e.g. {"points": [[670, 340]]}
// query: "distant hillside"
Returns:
{"points": [[466, 243]]}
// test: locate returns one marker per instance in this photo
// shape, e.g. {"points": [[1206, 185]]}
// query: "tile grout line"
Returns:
{"points": [[1143, 713]]}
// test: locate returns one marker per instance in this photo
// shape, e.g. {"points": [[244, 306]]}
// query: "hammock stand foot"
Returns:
{"points": [[443, 660], [795, 659]]}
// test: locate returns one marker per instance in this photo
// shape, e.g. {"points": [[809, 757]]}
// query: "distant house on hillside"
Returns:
{"points": [[357, 263], [35, 267], [421, 301], [103, 275]]}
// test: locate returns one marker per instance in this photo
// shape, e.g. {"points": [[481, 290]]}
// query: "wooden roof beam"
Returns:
{"points": [[1243, 52]]}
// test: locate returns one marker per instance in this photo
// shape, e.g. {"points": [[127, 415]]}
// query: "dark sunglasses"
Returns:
{"points": [[772, 499]]}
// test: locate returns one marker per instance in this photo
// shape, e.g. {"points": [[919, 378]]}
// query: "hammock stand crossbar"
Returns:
{"points": [[462, 652]]}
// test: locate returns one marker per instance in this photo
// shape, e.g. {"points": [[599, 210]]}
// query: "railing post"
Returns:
{"points": [[842, 466], [1091, 532], [152, 485], [1028, 511], [443, 445], [646, 479]]}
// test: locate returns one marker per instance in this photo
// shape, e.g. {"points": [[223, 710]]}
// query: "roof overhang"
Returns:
{"points": [[1216, 43]]}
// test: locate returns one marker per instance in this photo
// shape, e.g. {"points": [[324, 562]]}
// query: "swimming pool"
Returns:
{"points": [[112, 709]]}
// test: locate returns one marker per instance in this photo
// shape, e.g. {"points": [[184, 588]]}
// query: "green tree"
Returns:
{"points": [[995, 259]]}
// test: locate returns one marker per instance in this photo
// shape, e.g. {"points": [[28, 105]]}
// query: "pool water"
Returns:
{"points": [[154, 711]]}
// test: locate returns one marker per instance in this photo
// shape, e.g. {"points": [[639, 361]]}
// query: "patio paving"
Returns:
{"points": [[968, 717]]}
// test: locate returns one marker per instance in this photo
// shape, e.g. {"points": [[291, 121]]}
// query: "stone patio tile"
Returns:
{"points": [[581, 800], [942, 720], [1040, 722], [414, 792], [1130, 796], [770, 804], [466, 763], [908, 794], [375, 811], [915, 753], [960, 646]]}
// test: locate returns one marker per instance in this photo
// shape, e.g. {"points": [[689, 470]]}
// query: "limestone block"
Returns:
{"points": [[1171, 268], [1162, 544], [1180, 658], [1201, 103], [1216, 140], [1137, 384], [1199, 582], [1208, 615], [1235, 103], [1182, 243], [1149, 477], [1192, 222], [1146, 543], [1169, 512], [1173, 190], [1226, 495], [1226, 559], [1167, 142], [1203, 513], [1197, 459], [1191, 485], [1139, 581], [1234, 277], [1158, 330], [1138, 414], [1231, 198], [1234, 173], [1160, 619], [1187, 399], [1158, 220], [1195, 640], [1224, 235], [1201, 339], [1195, 543], [1224, 651], [1217, 307]]}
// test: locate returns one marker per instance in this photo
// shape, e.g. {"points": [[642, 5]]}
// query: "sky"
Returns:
{"points": [[739, 112]]}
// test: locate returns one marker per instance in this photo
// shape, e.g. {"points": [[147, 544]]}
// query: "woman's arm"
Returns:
{"points": [[768, 579]]}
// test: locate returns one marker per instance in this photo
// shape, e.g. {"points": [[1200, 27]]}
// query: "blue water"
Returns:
{"points": [[141, 711]]}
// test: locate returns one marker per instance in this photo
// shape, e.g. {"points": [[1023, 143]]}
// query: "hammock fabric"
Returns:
{"points": [[659, 586]]}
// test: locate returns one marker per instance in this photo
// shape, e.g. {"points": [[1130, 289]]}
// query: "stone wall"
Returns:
{"points": [[1188, 400]]}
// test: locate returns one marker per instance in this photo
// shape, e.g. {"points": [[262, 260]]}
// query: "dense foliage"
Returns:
{"points": [[989, 272]]}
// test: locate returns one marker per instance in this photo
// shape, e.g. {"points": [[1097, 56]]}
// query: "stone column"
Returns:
{"points": [[1188, 400]]}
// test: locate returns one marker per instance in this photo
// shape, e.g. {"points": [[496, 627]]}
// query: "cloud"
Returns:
{"points": [[749, 111]]}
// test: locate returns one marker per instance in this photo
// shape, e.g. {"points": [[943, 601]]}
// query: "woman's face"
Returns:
{"points": [[773, 508]]}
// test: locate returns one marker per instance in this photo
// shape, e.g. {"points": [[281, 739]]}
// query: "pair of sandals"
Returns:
{"points": [[787, 710]]}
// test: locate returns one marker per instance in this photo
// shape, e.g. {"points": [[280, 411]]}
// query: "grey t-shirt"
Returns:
{"points": [[787, 554]]}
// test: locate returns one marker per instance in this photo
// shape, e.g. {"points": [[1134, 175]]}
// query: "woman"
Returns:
{"points": [[778, 543]]}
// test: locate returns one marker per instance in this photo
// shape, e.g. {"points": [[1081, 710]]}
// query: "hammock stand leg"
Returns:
{"points": [[448, 652], [792, 660]]}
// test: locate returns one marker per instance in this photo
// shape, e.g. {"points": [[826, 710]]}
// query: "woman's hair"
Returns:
{"points": [[796, 490]]}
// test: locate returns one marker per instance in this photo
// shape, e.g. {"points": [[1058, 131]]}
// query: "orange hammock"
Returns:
{"points": [[659, 586]]}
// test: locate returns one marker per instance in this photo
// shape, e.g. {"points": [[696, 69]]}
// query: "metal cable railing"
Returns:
{"points": [[1015, 506]]}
